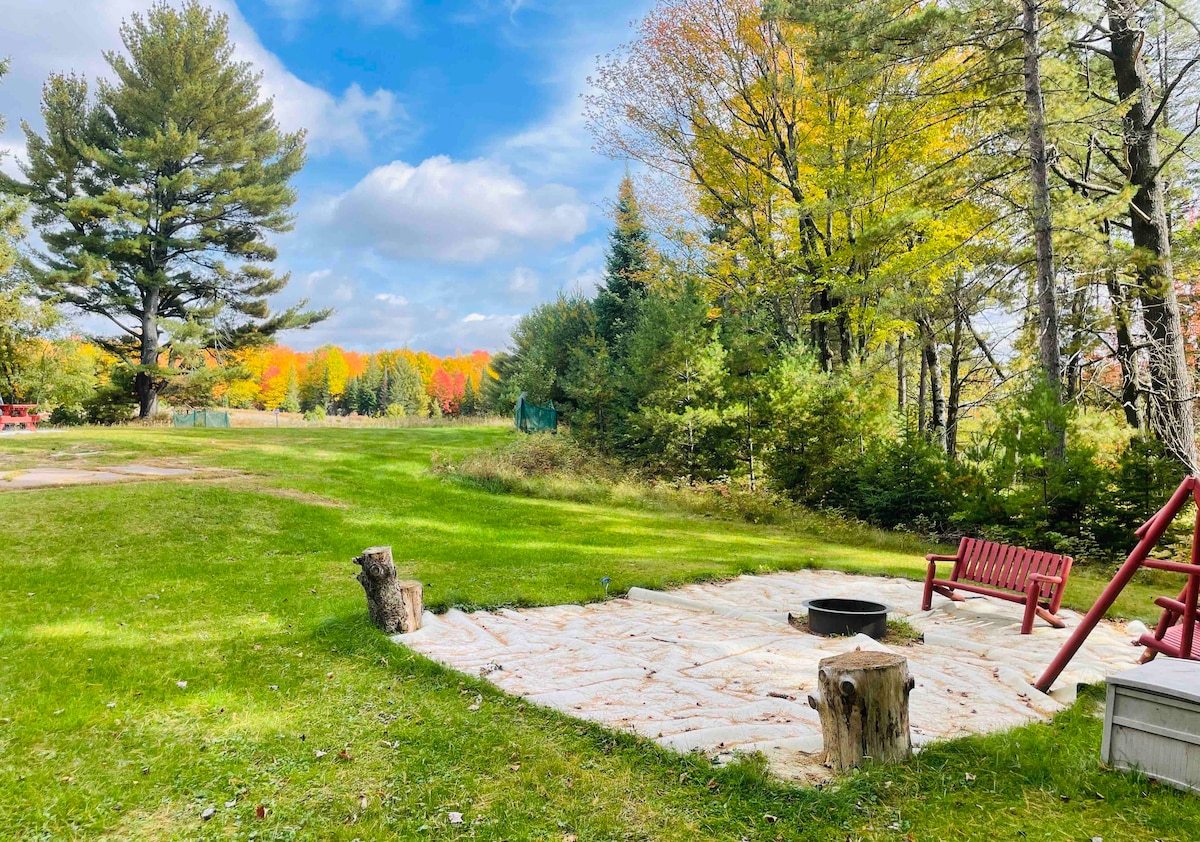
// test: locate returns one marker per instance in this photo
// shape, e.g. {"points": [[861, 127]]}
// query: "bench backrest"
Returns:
{"points": [[1009, 568]]}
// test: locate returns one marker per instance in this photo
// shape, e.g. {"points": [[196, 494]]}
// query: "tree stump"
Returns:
{"points": [[862, 698], [395, 605]]}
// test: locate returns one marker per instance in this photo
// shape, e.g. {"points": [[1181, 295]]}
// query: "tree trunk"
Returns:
{"points": [[955, 397], [937, 397], [1077, 327], [144, 382], [1043, 242], [395, 605], [1170, 379], [1127, 356], [820, 330], [922, 389], [862, 698], [901, 375]]}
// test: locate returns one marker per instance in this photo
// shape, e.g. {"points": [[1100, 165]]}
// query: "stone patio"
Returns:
{"points": [[716, 667]]}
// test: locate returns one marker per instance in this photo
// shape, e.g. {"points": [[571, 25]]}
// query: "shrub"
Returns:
{"points": [[395, 410], [68, 416], [110, 405], [909, 484], [316, 414], [823, 423]]}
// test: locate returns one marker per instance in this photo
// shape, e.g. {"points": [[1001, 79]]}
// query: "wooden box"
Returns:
{"points": [[1152, 722]]}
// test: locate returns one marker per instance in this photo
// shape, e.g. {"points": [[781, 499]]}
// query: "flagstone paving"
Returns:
{"points": [[716, 667]]}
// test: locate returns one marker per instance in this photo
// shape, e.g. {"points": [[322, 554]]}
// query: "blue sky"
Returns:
{"points": [[451, 185]]}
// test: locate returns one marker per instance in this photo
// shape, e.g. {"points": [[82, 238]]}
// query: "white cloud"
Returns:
{"points": [[556, 146], [392, 299], [524, 282], [475, 331], [65, 35], [585, 283], [12, 155], [451, 211]]}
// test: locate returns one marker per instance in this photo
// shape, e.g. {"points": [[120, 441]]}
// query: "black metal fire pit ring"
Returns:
{"points": [[842, 616]]}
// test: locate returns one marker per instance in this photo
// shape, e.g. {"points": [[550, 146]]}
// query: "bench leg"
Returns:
{"points": [[1032, 591], [949, 593], [927, 598], [1052, 619]]}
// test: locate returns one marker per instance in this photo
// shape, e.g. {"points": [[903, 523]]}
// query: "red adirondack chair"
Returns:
{"points": [[1033, 578]]}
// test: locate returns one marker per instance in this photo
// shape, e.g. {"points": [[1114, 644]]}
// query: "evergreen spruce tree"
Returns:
{"points": [[383, 393], [349, 399], [291, 401], [407, 389], [470, 401], [154, 196], [620, 296], [368, 393]]}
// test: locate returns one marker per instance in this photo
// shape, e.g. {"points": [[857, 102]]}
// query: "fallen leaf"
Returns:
{"points": [[320, 753], [232, 803], [344, 755], [182, 685], [456, 818], [970, 777], [261, 811], [208, 813]]}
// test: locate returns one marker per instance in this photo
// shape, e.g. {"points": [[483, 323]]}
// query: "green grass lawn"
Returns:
{"points": [[242, 587]]}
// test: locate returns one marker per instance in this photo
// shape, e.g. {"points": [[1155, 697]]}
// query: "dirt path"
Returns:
{"points": [[25, 478]]}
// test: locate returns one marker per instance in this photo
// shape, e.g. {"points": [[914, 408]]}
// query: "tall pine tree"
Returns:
{"points": [[154, 197], [624, 287]]}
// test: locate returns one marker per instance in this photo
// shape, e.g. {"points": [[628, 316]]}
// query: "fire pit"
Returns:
{"points": [[834, 616]]}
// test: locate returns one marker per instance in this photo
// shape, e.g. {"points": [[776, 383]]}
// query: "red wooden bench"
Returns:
{"points": [[1035, 579], [20, 415]]}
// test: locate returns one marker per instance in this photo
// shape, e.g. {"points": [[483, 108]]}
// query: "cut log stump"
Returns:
{"points": [[863, 703], [395, 605]]}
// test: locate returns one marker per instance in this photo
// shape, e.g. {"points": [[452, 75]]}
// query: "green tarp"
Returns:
{"points": [[202, 418], [535, 419]]}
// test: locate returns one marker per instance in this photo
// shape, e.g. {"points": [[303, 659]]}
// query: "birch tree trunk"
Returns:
{"points": [[1170, 379], [1043, 242]]}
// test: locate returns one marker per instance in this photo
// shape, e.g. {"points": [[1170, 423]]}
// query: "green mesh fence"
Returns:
{"points": [[202, 418], [535, 419]]}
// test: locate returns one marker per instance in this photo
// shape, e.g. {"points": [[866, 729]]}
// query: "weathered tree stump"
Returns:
{"points": [[863, 703], [395, 605]]}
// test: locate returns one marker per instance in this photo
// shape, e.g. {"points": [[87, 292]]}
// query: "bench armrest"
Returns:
{"points": [[935, 557], [1170, 604], [1042, 577]]}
